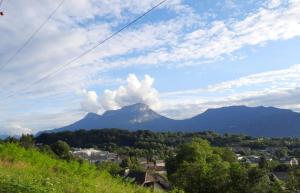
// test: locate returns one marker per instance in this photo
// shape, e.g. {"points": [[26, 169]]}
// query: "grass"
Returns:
{"points": [[30, 171]]}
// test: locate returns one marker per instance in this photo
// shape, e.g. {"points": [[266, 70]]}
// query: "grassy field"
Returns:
{"points": [[29, 171]]}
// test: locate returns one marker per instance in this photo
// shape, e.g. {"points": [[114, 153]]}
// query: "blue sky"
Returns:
{"points": [[181, 59]]}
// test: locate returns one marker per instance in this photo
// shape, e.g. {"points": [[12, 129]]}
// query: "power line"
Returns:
{"points": [[31, 36], [60, 68]]}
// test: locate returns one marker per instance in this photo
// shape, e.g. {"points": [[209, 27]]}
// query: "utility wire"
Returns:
{"points": [[60, 68], [30, 37]]}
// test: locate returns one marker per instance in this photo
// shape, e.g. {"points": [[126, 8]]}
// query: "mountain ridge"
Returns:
{"points": [[255, 121]]}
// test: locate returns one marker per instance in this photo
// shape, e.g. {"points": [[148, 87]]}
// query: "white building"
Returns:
{"points": [[293, 162], [94, 156]]}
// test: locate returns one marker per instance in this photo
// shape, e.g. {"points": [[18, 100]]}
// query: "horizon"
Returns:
{"points": [[181, 59]]}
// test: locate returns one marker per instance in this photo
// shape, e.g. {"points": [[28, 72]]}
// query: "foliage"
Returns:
{"points": [[161, 145], [132, 163], [61, 149], [27, 141], [29, 171], [113, 168], [201, 168]]}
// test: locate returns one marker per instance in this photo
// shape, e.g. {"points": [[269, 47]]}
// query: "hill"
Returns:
{"points": [[30, 171], [254, 121]]}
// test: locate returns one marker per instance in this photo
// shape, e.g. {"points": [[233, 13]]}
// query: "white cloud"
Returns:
{"points": [[90, 102], [222, 38], [273, 3], [135, 91], [15, 130], [76, 27], [288, 78], [63, 38]]}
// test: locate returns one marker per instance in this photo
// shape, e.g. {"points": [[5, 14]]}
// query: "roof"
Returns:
{"points": [[157, 168], [141, 177], [283, 176]]}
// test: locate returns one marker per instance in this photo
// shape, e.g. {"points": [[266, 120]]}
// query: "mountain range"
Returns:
{"points": [[254, 121]]}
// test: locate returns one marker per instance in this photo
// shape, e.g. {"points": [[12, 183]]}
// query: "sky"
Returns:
{"points": [[182, 58]]}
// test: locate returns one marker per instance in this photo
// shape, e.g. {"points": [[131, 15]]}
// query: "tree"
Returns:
{"points": [[263, 163], [282, 152], [292, 183], [132, 163], [197, 168], [200, 168], [226, 154], [27, 140], [11, 140], [61, 149], [113, 168], [48, 150]]}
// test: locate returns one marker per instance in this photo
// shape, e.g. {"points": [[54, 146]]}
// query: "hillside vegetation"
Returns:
{"points": [[30, 171]]}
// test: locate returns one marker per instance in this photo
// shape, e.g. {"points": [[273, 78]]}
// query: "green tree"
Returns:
{"points": [[197, 168], [11, 140], [113, 168], [27, 140], [263, 163], [61, 149], [201, 168], [282, 152], [131, 163]]}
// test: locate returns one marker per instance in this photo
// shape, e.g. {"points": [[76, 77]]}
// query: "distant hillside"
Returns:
{"points": [[255, 121], [29, 171]]}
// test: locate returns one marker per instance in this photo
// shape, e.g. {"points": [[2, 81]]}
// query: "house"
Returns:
{"points": [[293, 162], [157, 169], [160, 163], [142, 161], [147, 179], [148, 165], [240, 157], [95, 156], [253, 158], [289, 161]]}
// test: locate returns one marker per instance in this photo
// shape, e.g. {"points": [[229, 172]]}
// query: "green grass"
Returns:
{"points": [[29, 171]]}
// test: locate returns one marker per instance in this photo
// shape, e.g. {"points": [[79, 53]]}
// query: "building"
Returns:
{"points": [[147, 179], [160, 163], [95, 156], [142, 160], [293, 162], [158, 166]]}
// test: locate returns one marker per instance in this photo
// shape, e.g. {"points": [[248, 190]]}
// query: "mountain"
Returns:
{"points": [[133, 117], [254, 121]]}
